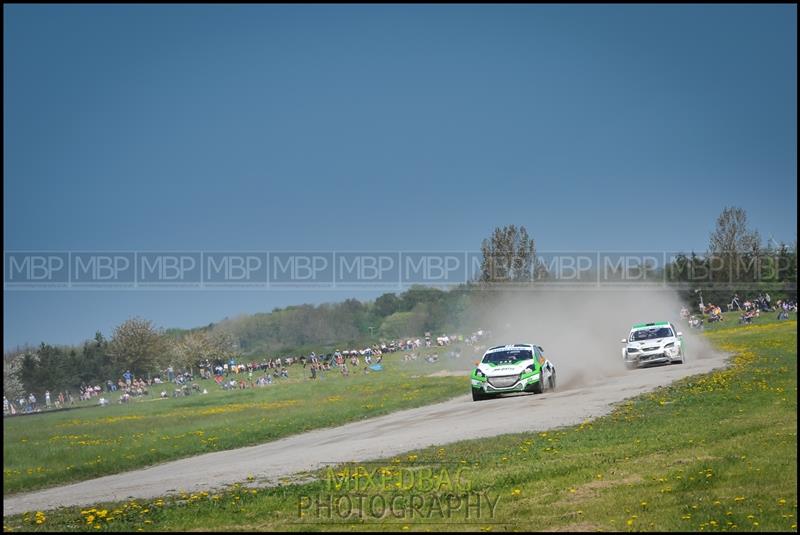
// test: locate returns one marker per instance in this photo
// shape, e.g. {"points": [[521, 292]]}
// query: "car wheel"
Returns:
{"points": [[553, 381], [630, 365], [538, 387], [477, 395]]}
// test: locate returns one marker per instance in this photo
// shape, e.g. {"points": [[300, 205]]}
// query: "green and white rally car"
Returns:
{"points": [[653, 343], [512, 368]]}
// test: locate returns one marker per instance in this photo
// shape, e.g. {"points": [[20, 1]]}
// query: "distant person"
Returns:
{"points": [[128, 376]]}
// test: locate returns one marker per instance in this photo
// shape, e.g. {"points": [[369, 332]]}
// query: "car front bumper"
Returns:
{"points": [[520, 385], [660, 356]]}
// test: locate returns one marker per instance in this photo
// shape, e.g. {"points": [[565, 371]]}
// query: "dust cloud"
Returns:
{"points": [[581, 331]]}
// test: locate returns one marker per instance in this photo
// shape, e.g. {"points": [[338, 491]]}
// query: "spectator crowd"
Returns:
{"points": [[750, 309], [235, 375]]}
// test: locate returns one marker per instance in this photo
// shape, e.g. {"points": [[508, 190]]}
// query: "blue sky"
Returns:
{"points": [[381, 127]]}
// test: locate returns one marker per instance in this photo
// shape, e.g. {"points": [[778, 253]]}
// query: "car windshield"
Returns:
{"points": [[511, 356], [649, 334]]}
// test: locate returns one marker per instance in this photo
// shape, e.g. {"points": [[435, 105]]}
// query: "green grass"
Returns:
{"points": [[715, 452], [57, 447]]}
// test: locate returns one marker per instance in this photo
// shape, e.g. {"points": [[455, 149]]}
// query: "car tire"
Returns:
{"points": [[477, 395], [630, 365], [553, 381], [538, 387]]}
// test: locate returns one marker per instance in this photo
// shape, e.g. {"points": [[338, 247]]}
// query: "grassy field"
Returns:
{"points": [[56, 447], [716, 452]]}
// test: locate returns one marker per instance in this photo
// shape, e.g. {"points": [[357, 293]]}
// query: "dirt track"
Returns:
{"points": [[375, 438]]}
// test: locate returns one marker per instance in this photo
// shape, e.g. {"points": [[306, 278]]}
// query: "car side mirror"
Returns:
{"points": [[680, 333], [624, 341]]}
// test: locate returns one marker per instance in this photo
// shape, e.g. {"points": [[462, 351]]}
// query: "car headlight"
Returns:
{"points": [[671, 344], [632, 350]]}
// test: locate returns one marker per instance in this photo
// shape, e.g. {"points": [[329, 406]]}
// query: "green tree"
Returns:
{"points": [[509, 255], [733, 249], [138, 346], [12, 385], [387, 304]]}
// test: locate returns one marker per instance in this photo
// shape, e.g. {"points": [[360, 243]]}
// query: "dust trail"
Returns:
{"points": [[581, 331]]}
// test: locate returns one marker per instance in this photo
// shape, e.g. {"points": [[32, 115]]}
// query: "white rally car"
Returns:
{"points": [[653, 343], [512, 368]]}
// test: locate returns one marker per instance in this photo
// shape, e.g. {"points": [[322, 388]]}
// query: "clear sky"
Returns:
{"points": [[385, 127]]}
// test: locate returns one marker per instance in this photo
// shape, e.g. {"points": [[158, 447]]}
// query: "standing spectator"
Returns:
{"points": [[47, 398], [6, 406], [783, 310], [128, 376], [32, 402]]}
